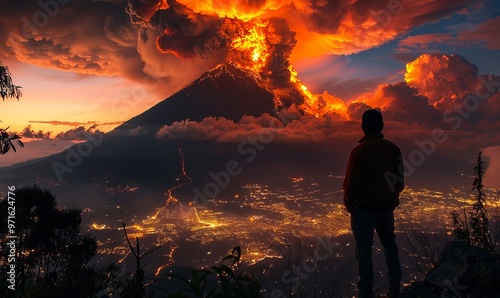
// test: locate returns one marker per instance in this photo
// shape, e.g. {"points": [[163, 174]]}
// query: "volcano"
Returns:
{"points": [[225, 91], [133, 167]]}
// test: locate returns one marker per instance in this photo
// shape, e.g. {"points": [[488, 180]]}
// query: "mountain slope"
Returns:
{"points": [[226, 91]]}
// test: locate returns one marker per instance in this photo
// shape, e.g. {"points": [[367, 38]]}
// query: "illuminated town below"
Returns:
{"points": [[265, 220]]}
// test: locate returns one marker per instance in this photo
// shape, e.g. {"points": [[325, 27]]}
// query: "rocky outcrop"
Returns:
{"points": [[463, 270]]}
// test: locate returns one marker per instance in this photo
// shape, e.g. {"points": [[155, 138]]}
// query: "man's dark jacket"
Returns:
{"points": [[374, 175]]}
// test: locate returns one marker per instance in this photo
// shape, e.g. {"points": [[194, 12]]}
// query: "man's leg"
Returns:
{"points": [[385, 231], [362, 224]]}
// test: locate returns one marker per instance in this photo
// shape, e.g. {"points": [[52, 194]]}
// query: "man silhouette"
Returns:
{"points": [[373, 181]]}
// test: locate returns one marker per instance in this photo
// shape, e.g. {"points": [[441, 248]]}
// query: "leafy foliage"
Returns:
{"points": [[474, 229], [6, 141], [51, 252], [7, 88], [222, 281]]}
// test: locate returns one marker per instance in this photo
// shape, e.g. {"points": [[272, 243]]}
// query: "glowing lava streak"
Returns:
{"points": [[183, 175], [204, 222], [172, 199], [155, 219]]}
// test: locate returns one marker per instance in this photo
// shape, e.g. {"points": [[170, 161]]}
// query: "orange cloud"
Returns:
{"points": [[438, 88], [93, 38], [346, 27], [101, 45], [441, 78], [73, 134], [487, 32], [74, 123], [399, 102]]}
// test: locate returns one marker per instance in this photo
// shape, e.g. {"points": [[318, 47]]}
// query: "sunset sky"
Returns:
{"points": [[83, 63]]}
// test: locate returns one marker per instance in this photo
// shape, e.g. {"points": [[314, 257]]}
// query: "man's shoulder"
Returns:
{"points": [[379, 142], [390, 143]]}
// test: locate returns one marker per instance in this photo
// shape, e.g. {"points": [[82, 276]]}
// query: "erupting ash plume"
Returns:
{"points": [[260, 45], [242, 33]]}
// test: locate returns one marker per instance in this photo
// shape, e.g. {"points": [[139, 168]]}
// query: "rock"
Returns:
{"points": [[463, 270]]}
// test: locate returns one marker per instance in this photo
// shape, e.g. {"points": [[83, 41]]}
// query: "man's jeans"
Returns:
{"points": [[363, 222]]}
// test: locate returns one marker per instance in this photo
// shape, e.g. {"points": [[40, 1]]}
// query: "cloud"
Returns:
{"points": [[79, 133], [346, 27], [356, 109], [164, 44], [91, 38], [73, 123], [453, 87], [403, 103], [298, 128], [486, 33], [67, 39], [28, 132], [74, 134], [137, 131], [429, 43], [108, 42], [492, 155], [201, 28], [439, 90], [321, 104], [441, 78]]}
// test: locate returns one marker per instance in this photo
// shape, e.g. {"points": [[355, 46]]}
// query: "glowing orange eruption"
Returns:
{"points": [[241, 9], [254, 46], [255, 35], [252, 43]]}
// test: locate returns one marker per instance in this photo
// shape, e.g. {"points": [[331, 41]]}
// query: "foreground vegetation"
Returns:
{"points": [[8, 90]]}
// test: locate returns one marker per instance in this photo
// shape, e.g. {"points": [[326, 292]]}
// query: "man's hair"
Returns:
{"points": [[372, 122]]}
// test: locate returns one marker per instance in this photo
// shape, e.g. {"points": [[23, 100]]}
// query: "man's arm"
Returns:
{"points": [[394, 176], [400, 184], [351, 182], [399, 179]]}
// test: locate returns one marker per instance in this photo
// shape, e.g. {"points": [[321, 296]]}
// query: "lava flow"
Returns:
{"points": [[182, 176]]}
